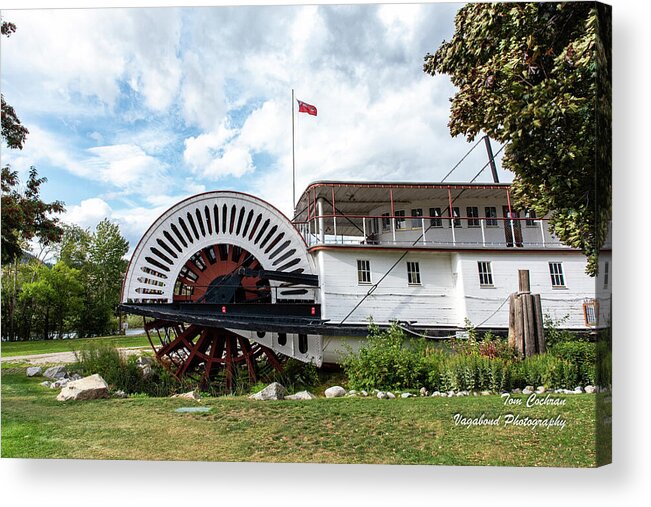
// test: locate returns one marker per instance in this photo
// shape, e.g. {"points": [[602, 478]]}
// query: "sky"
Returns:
{"points": [[132, 109]]}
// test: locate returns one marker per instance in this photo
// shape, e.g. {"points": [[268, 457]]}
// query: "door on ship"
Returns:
{"points": [[510, 231]]}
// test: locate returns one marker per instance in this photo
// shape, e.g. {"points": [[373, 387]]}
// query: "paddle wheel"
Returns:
{"points": [[222, 279]]}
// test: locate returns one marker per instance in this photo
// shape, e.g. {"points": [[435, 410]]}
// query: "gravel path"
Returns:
{"points": [[63, 357]]}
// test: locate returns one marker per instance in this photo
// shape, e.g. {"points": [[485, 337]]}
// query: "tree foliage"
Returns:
{"points": [[24, 215], [538, 77]]}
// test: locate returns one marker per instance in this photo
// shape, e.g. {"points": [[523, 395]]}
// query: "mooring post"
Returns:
{"points": [[525, 318]]}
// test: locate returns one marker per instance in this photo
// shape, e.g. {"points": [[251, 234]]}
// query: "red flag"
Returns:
{"points": [[306, 108]]}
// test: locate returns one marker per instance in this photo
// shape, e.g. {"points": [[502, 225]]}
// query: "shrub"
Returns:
{"points": [[546, 370], [124, 374], [384, 362], [579, 353], [297, 375]]}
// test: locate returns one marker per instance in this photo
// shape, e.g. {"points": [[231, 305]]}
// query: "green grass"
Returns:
{"points": [[10, 349], [344, 430]]}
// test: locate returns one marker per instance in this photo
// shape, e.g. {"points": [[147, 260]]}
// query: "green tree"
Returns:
{"points": [[24, 215], [538, 77], [56, 296]]}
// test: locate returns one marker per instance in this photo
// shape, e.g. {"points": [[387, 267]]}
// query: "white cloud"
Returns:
{"points": [[88, 213]]}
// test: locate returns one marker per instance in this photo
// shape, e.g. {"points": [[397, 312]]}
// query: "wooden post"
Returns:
{"points": [[525, 318]]}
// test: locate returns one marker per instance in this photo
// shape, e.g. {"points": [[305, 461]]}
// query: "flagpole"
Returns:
{"points": [[293, 160]]}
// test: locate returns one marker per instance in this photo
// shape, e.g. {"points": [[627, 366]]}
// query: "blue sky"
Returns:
{"points": [[131, 110]]}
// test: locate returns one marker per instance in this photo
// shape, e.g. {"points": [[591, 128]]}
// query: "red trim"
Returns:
{"points": [[452, 250]]}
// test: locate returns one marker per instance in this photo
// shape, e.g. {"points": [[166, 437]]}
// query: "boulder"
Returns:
{"points": [[406, 395], [590, 389], [540, 389], [335, 392], [436, 394], [423, 392], [56, 372], [32, 371], [190, 395], [390, 395], [273, 391], [87, 388], [578, 389], [363, 393], [58, 384], [527, 391], [381, 395], [302, 395], [444, 395]]}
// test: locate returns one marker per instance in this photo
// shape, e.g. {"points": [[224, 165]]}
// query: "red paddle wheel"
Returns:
{"points": [[213, 276]]}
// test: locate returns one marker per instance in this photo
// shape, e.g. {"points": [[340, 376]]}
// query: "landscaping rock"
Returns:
{"points": [[578, 389], [436, 394], [75, 376], [590, 389], [424, 392], [119, 394], [516, 391], [540, 389], [32, 371], [87, 388], [444, 395], [485, 393], [390, 395], [335, 392], [363, 393], [190, 395], [273, 391], [352, 392], [527, 391], [58, 384], [302, 395], [450, 394], [45, 383], [381, 395], [56, 372], [406, 395]]}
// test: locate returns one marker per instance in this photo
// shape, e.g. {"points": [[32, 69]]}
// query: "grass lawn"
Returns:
{"points": [[343, 430], [10, 349]]}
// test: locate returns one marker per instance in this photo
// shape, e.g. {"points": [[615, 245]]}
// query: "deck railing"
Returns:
{"points": [[428, 231]]}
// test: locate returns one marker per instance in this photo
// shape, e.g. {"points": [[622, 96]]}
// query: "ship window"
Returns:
{"points": [[556, 274], [413, 273], [485, 273], [282, 339], [363, 271], [435, 220], [416, 215], [491, 216], [457, 220], [400, 218], [472, 212], [530, 216], [606, 274], [302, 343]]}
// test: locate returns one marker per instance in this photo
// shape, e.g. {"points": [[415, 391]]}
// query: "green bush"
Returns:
{"points": [[124, 374], [546, 370], [296, 376], [579, 353], [385, 362]]}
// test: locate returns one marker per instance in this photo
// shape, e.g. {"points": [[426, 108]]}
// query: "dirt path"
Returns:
{"points": [[63, 357]]}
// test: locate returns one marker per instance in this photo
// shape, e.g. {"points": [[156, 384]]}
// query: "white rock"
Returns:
{"points": [[302, 395], [335, 392], [363, 393], [436, 394], [527, 391], [381, 395], [444, 395], [119, 394], [58, 384], [578, 389], [273, 391], [45, 383], [190, 395], [485, 393], [450, 393], [32, 371], [352, 391], [540, 389], [516, 391], [56, 372], [87, 388], [424, 392], [590, 389], [390, 395]]}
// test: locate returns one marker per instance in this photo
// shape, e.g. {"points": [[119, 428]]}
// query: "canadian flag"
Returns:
{"points": [[304, 107]]}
